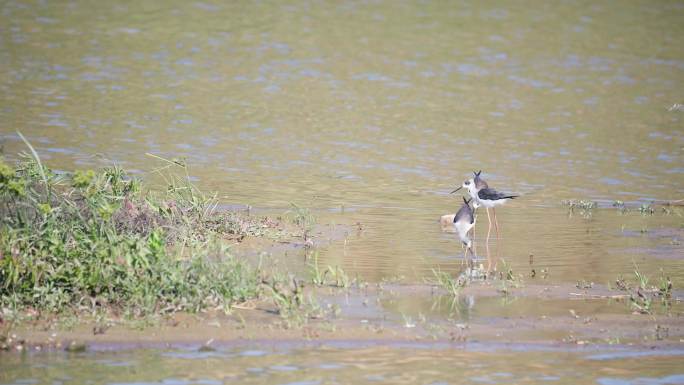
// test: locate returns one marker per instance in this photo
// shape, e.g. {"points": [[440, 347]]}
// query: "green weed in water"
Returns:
{"points": [[579, 204], [643, 294], [586, 208], [287, 295], [665, 286], [293, 306], [317, 275], [508, 278], [340, 278], [303, 218], [506, 274], [639, 298], [645, 209], [451, 285]]}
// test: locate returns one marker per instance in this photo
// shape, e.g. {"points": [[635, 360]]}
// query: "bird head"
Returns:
{"points": [[466, 185], [479, 182]]}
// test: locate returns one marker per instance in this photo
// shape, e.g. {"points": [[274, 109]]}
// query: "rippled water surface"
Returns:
{"points": [[419, 364], [372, 112]]}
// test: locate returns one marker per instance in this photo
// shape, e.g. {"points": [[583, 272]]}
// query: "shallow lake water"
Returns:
{"points": [[373, 113], [319, 365], [369, 114]]}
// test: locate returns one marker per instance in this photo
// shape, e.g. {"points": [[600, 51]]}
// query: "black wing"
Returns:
{"points": [[490, 194]]}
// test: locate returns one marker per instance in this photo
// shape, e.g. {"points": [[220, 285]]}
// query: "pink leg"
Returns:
{"points": [[496, 223], [489, 231], [498, 238], [472, 236], [465, 256]]}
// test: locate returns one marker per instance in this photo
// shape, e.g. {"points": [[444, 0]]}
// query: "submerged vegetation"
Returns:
{"points": [[319, 277], [99, 239], [452, 285], [585, 207], [643, 292], [303, 218]]}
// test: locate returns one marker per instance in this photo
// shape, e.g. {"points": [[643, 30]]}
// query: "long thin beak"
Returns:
{"points": [[456, 190]]}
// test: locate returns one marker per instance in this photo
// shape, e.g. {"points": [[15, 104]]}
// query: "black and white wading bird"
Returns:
{"points": [[464, 220], [485, 196]]}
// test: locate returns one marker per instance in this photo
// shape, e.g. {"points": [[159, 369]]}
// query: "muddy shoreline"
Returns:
{"points": [[372, 315]]}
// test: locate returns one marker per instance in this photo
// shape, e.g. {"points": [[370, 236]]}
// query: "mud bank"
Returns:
{"points": [[534, 315]]}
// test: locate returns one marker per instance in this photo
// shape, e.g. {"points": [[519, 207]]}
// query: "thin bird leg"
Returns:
{"points": [[472, 235], [465, 256], [498, 239], [469, 265], [489, 231], [496, 223]]}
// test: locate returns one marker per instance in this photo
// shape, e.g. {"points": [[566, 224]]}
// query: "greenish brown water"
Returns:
{"points": [[371, 113], [402, 364]]}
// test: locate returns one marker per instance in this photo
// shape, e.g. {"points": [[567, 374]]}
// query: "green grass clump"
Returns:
{"points": [[584, 207], [452, 286], [99, 239], [319, 276], [579, 204], [643, 293]]}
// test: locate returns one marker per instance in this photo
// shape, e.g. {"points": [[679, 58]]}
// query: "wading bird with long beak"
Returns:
{"points": [[485, 196], [464, 220]]}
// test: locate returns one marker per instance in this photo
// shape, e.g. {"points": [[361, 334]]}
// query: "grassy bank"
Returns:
{"points": [[101, 239]]}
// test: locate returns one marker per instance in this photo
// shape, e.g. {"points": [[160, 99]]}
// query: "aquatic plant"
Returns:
{"points": [[642, 279], [287, 294], [620, 206], [579, 204], [98, 239], [621, 283], [316, 273], [646, 209], [508, 278], [641, 303], [642, 294], [301, 217], [639, 298], [665, 286], [296, 309], [319, 276], [451, 285], [506, 274], [338, 275], [585, 207]]}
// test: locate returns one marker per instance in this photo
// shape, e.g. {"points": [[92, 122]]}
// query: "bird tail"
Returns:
{"points": [[511, 196]]}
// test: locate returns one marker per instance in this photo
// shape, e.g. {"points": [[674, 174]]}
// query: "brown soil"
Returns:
{"points": [[366, 313]]}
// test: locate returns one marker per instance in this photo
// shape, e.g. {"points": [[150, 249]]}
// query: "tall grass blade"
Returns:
{"points": [[40, 165]]}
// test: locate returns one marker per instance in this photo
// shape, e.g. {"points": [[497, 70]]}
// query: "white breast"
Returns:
{"points": [[488, 203], [462, 229]]}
